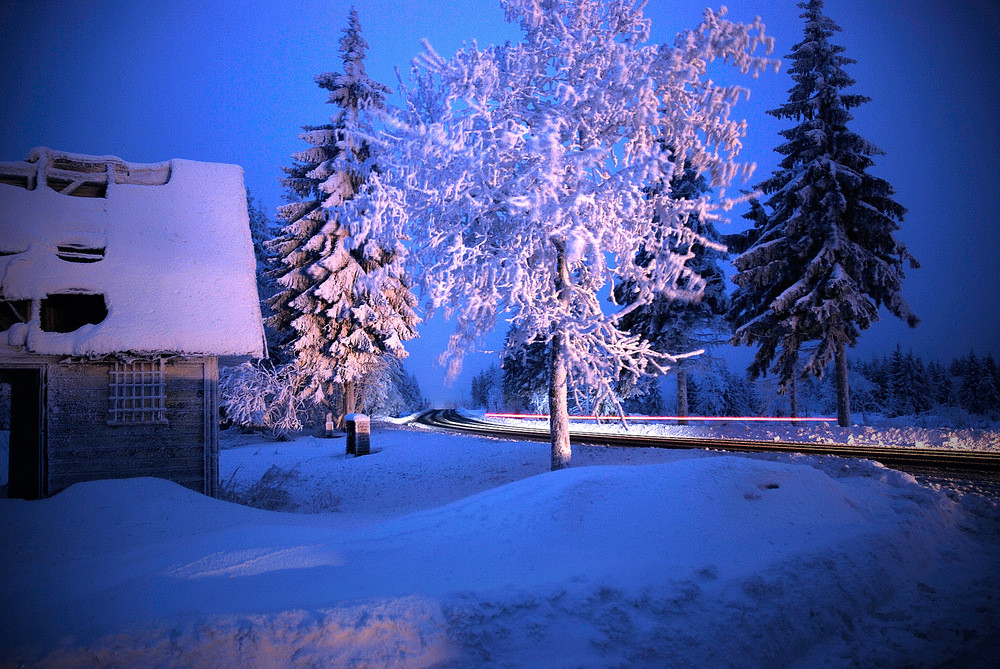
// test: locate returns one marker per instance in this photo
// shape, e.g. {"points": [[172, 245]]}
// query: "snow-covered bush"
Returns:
{"points": [[259, 396]]}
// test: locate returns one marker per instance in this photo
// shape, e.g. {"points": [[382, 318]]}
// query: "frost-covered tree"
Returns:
{"points": [[741, 396], [976, 383], [261, 233], [487, 389], [525, 367], [648, 401], [707, 390], [989, 386], [345, 300], [669, 324], [530, 164], [908, 385], [768, 332], [940, 382], [390, 391], [717, 391], [825, 258]]}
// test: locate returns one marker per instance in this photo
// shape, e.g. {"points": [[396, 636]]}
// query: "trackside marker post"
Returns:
{"points": [[358, 434]]}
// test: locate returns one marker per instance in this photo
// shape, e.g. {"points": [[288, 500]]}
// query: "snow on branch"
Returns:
{"points": [[511, 155]]}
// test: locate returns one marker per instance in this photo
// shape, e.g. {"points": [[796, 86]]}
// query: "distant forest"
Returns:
{"points": [[899, 384]]}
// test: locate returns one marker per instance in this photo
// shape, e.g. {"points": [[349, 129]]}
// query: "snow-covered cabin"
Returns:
{"points": [[120, 286]]}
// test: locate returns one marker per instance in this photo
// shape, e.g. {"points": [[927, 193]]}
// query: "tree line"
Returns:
{"points": [[892, 385], [902, 384]]}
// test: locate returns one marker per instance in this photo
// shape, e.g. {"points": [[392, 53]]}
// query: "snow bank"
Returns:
{"points": [[717, 560]]}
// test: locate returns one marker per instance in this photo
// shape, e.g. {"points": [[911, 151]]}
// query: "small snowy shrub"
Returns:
{"points": [[256, 397], [269, 492]]}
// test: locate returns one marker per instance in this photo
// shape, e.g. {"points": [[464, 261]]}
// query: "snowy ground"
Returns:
{"points": [[450, 551]]}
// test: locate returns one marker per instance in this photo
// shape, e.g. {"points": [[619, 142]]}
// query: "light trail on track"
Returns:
{"points": [[900, 457], [611, 419]]}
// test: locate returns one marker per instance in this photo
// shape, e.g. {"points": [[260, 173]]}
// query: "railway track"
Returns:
{"points": [[930, 459]]}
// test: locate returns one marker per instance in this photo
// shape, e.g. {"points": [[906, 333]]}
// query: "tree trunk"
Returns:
{"points": [[559, 406], [794, 399], [558, 403], [843, 390], [682, 394], [349, 401]]}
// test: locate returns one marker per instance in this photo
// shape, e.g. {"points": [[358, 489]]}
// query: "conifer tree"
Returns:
{"points": [[898, 403], [261, 233], [769, 334], [825, 258], [674, 325], [344, 301], [989, 386], [524, 367], [940, 382], [976, 388]]}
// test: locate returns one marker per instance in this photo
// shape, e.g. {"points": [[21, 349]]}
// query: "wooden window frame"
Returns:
{"points": [[137, 393]]}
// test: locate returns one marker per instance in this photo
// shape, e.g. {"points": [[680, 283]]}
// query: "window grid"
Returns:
{"points": [[138, 393]]}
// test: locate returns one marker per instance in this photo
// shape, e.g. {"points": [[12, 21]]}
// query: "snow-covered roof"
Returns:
{"points": [[167, 245]]}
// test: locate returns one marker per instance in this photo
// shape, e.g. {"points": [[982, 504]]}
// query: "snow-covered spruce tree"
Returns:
{"points": [[670, 324], [530, 165], [940, 382], [826, 258], [768, 332], [391, 391], [345, 300], [262, 232], [487, 389], [525, 367]]}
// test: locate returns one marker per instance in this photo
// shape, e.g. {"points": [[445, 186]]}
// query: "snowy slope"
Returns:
{"points": [[454, 551]]}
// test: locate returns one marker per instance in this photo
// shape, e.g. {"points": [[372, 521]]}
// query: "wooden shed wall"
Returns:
{"points": [[83, 447]]}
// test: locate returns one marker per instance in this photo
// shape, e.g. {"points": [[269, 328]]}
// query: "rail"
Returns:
{"points": [[933, 458]]}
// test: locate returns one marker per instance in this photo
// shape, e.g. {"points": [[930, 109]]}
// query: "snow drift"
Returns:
{"points": [[716, 560]]}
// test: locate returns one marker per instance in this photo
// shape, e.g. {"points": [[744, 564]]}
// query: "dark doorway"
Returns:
{"points": [[25, 460]]}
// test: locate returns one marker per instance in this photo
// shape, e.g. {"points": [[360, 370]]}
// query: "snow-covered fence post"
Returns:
{"points": [[358, 434]]}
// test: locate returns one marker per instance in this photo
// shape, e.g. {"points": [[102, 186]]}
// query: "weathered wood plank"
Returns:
{"points": [[80, 445]]}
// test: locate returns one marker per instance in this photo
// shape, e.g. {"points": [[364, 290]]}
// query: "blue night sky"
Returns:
{"points": [[232, 82]]}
